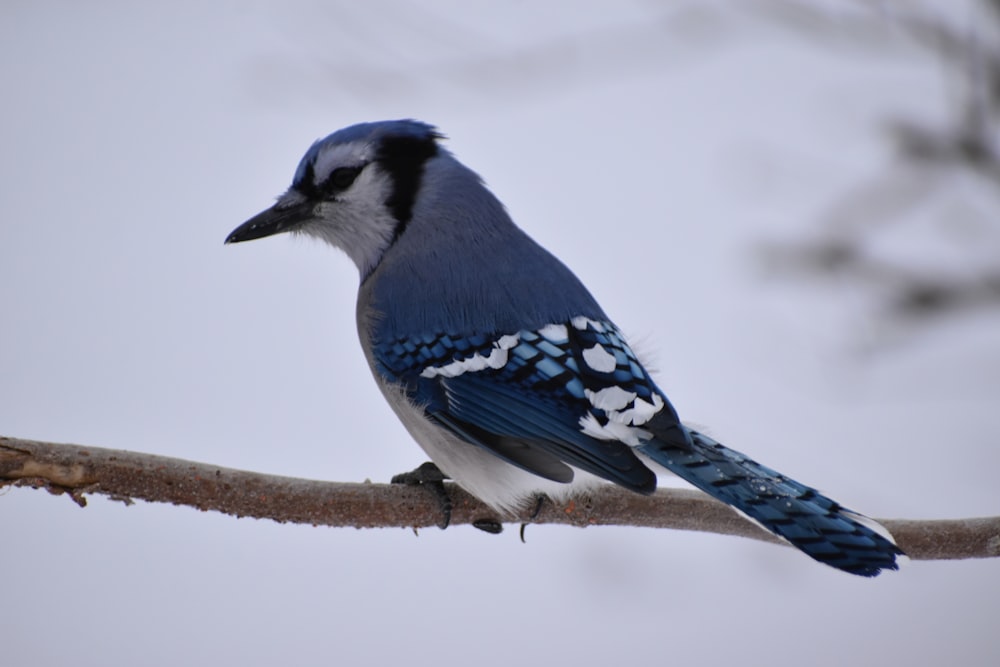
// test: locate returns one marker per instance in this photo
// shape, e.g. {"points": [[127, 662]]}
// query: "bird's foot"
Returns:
{"points": [[430, 477], [491, 526], [539, 501]]}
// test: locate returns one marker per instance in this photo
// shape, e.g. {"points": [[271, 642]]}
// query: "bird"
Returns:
{"points": [[498, 360]]}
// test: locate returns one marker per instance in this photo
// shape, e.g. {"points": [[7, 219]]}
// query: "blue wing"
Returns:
{"points": [[541, 400], [574, 394]]}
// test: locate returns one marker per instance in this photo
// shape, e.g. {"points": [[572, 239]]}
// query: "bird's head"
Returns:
{"points": [[355, 189]]}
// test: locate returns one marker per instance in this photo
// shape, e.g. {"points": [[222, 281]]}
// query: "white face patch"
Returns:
{"points": [[497, 359], [333, 156], [599, 359], [357, 222]]}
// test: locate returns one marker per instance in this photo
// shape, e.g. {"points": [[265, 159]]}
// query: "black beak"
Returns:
{"points": [[279, 218]]}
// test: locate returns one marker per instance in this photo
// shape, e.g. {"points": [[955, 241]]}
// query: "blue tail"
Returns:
{"points": [[808, 520]]}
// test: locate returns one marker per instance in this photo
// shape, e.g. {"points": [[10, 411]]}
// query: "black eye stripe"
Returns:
{"points": [[340, 179], [307, 183], [404, 158]]}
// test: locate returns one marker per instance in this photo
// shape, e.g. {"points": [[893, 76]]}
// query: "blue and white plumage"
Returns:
{"points": [[498, 360]]}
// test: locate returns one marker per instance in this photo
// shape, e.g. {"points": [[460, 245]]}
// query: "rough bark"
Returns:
{"points": [[78, 470]]}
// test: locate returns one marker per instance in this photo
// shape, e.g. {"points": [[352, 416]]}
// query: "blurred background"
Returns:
{"points": [[791, 208]]}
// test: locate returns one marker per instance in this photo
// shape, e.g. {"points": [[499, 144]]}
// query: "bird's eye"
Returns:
{"points": [[342, 177]]}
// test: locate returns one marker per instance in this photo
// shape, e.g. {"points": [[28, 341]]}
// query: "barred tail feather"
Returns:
{"points": [[808, 520]]}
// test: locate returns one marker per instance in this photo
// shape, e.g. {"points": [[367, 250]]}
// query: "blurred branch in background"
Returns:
{"points": [[474, 60], [121, 475], [942, 183]]}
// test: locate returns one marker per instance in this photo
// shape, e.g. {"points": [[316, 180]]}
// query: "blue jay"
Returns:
{"points": [[497, 359]]}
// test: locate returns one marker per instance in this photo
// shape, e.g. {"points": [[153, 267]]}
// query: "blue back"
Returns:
{"points": [[464, 267]]}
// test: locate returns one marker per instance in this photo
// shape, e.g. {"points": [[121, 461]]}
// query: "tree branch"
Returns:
{"points": [[121, 475]]}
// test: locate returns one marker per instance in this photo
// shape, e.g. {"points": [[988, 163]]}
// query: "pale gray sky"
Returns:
{"points": [[651, 150]]}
